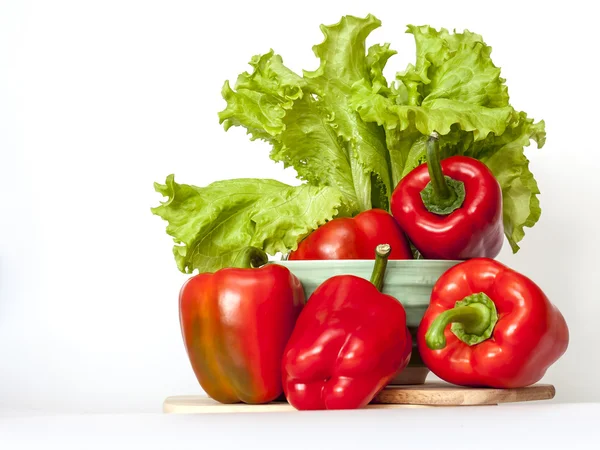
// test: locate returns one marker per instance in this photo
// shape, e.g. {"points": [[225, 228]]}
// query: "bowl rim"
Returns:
{"points": [[360, 262]]}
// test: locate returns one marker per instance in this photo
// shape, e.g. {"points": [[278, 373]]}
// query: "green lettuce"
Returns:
{"points": [[343, 62], [308, 120], [212, 225], [271, 104], [505, 157], [455, 89], [351, 135]]}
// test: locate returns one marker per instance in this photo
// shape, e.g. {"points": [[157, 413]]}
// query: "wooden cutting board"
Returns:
{"points": [[416, 396]]}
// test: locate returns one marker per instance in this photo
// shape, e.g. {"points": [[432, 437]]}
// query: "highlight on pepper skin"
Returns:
{"points": [[491, 326], [450, 209], [377, 163], [349, 341], [354, 238], [235, 325]]}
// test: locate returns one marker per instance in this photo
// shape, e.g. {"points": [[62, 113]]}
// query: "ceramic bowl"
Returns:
{"points": [[409, 281]]}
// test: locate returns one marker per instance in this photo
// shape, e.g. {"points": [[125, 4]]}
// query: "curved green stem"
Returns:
{"points": [[251, 257], [442, 195], [382, 253], [473, 320], [434, 166]]}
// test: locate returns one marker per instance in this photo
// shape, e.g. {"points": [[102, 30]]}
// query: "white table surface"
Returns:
{"points": [[509, 426]]}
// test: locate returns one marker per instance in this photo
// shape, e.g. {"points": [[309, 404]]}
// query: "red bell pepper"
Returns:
{"points": [[505, 333], [354, 238], [349, 342], [452, 209], [235, 325]]}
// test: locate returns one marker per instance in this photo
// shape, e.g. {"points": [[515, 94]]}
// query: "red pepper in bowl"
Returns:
{"points": [[452, 209], [349, 341], [235, 325], [488, 325], [354, 238]]}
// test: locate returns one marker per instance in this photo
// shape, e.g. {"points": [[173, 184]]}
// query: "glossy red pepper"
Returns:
{"points": [[488, 325], [354, 238], [349, 342], [452, 209], [235, 325]]}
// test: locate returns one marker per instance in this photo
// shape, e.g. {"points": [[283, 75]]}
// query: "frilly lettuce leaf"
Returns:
{"points": [[212, 225], [377, 57], [506, 159], [454, 82], [343, 61], [455, 89], [308, 121], [351, 136], [274, 105], [262, 97]]}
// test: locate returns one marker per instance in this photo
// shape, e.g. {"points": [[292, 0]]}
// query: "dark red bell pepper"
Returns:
{"points": [[452, 209], [235, 325], [354, 238], [488, 325], [349, 342]]}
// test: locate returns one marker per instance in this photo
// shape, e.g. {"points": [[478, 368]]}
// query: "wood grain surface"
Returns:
{"points": [[418, 396], [441, 394]]}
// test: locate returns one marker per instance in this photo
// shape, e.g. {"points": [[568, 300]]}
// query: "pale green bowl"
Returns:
{"points": [[409, 281]]}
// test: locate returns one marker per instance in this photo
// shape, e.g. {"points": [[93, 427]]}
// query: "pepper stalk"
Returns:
{"points": [[382, 253], [473, 320], [442, 195]]}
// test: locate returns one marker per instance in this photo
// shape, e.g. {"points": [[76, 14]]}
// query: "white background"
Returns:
{"points": [[100, 99]]}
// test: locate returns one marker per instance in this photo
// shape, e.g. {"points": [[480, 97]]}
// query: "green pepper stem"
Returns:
{"points": [[442, 194], [434, 166], [382, 253], [473, 320], [251, 257]]}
